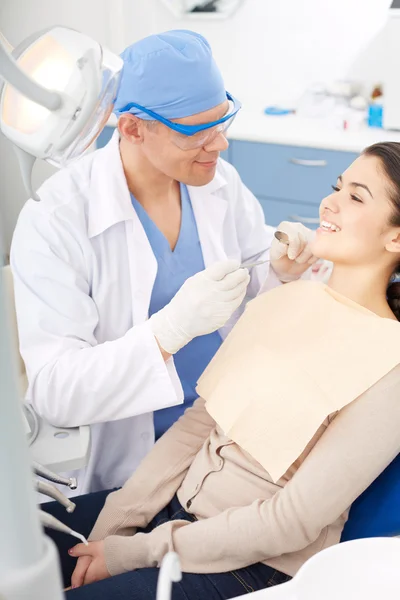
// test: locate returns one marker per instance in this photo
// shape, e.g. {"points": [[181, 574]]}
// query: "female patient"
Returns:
{"points": [[259, 475]]}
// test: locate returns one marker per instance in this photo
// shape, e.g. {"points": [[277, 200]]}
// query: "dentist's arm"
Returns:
{"points": [[73, 378]]}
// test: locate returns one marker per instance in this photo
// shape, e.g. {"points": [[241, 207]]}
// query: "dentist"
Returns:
{"points": [[127, 273]]}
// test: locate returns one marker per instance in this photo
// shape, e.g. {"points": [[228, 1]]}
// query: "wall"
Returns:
{"points": [[381, 56], [269, 51]]}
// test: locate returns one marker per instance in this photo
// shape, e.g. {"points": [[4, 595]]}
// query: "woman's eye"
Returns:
{"points": [[352, 196]]}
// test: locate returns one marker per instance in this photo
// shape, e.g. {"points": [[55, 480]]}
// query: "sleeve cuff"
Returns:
{"points": [[176, 382], [162, 372], [123, 554]]}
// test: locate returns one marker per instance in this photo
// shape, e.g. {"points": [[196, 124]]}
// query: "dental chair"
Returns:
{"points": [[376, 512], [364, 569]]}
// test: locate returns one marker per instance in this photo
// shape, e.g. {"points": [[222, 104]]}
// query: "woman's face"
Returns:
{"points": [[355, 224]]}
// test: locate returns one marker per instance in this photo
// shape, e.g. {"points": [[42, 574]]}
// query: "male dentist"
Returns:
{"points": [[127, 272]]}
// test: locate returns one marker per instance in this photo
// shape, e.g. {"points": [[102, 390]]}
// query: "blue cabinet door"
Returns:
{"points": [[288, 172], [277, 210]]}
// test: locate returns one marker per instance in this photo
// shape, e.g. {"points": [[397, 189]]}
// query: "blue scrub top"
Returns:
{"points": [[174, 267]]}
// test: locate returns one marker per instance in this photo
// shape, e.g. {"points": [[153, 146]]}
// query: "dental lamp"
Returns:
{"points": [[58, 92]]}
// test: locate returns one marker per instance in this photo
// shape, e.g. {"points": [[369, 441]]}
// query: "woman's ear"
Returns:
{"points": [[131, 128], [394, 241]]}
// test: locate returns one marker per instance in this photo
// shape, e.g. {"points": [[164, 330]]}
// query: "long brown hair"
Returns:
{"points": [[389, 155]]}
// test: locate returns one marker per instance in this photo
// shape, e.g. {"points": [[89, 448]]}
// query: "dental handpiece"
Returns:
{"points": [[53, 523], [50, 490], [47, 474], [282, 237]]}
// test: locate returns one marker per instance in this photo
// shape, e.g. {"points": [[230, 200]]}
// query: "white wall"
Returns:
{"points": [[269, 51], [380, 58]]}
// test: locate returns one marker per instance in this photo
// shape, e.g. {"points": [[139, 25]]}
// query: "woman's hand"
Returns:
{"points": [[78, 576], [290, 262], [91, 565]]}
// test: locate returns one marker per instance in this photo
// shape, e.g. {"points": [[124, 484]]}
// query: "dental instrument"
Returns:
{"points": [[50, 490], [58, 91], [170, 572], [254, 264], [47, 474], [282, 237], [53, 523]]}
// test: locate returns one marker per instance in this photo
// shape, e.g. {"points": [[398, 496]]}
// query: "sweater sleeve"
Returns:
{"points": [[356, 447], [157, 478]]}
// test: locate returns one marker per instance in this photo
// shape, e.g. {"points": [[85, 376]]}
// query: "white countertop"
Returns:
{"points": [[290, 130]]}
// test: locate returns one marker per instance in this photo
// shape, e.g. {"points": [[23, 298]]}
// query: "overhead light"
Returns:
{"points": [[59, 92]]}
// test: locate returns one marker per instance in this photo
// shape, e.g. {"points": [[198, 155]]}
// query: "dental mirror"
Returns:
{"points": [[282, 237]]}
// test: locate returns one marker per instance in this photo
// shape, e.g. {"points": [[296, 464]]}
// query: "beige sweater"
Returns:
{"points": [[243, 517]]}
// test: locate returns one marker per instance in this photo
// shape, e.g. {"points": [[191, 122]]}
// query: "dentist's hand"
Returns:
{"points": [[290, 262], [204, 303]]}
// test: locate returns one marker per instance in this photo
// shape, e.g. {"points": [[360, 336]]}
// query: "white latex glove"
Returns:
{"points": [[203, 304], [290, 262]]}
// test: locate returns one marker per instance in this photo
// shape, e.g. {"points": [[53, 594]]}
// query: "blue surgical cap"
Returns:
{"points": [[173, 74]]}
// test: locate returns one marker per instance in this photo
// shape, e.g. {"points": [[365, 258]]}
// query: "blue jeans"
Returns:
{"points": [[142, 583]]}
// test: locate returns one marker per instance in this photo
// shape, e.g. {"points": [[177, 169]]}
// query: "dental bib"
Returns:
{"points": [[298, 354]]}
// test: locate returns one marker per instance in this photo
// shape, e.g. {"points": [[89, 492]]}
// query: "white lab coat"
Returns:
{"points": [[84, 272]]}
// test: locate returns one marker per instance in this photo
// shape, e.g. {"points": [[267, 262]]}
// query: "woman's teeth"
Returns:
{"points": [[329, 226]]}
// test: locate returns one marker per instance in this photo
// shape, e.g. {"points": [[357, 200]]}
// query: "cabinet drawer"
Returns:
{"points": [[288, 172], [277, 210]]}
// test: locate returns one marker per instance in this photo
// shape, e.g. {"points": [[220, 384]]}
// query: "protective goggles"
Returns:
{"points": [[189, 137]]}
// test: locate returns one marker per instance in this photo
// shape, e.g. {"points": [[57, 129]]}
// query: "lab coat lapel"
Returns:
{"points": [[209, 209], [143, 268], [113, 204]]}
